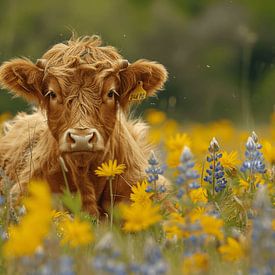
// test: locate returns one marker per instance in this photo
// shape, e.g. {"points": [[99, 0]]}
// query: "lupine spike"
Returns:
{"points": [[215, 173], [153, 172], [214, 145], [254, 158], [187, 176]]}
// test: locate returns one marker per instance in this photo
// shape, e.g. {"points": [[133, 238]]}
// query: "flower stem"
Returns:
{"points": [[252, 182], [155, 188], [112, 201]]}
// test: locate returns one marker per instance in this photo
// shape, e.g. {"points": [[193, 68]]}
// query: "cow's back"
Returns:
{"points": [[18, 143]]}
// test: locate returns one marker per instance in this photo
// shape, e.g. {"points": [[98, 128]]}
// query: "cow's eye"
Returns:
{"points": [[111, 93], [51, 94]]}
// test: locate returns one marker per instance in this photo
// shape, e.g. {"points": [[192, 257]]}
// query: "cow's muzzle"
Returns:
{"points": [[81, 140]]}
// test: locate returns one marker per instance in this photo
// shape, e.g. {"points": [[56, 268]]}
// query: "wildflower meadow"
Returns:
{"points": [[205, 207]]}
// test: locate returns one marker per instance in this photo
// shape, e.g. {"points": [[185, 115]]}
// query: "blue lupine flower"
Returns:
{"points": [[263, 238], [2, 200], [254, 162], [180, 193], [153, 172], [215, 173], [187, 176], [66, 265], [107, 257], [194, 243], [47, 269], [154, 262]]}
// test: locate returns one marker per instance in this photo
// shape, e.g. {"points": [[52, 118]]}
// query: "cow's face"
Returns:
{"points": [[81, 86], [81, 114]]}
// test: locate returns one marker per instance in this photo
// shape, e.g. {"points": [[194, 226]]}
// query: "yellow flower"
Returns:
{"points": [[178, 142], [232, 251], [173, 158], [259, 179], [174, 231], [198, 195], [110, 170], [139, 217], [175, 145], [155, 117], [196, 263], [212, 226], [174, 227], [176, 217], [197, 213], [273, 224], [269, 152], [29, 234], [75, 232], [59, 215], [139, 194], [229, 161], [36, 197], [244, 184]]}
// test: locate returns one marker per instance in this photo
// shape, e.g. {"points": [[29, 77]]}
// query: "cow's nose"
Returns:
{"points": [[82, 139]]}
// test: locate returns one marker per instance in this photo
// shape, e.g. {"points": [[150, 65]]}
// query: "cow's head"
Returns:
{"points": [[81, 85]]}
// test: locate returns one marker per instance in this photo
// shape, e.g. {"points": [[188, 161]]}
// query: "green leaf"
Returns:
{"points": [[72, 201]]}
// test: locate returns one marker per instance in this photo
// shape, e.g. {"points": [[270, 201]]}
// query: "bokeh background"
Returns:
{"points": [[219, 54]]}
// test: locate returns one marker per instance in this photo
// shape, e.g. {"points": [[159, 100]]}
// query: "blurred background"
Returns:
{"points": [[219, 54]]}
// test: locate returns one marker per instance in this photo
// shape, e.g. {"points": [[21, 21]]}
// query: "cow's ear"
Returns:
{"points": [[141, 79], [23, 78]]}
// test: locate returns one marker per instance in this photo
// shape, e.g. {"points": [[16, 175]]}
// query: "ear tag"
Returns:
{"points": [[138, 93]]}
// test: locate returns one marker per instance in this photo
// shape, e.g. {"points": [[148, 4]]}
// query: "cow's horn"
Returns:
{"points": [[41, 63], [123, 64]]}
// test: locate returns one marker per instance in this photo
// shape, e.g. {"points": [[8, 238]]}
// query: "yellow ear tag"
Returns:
{"points": [[138, 93]]}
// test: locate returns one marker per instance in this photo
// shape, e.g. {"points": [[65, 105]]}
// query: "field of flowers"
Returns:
{"points": [[216, 216]]}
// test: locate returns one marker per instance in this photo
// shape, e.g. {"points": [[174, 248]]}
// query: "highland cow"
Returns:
{"points": [[83, 92]]}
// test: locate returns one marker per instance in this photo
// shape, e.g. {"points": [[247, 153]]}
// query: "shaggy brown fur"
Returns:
{"points": [[71, 84]]}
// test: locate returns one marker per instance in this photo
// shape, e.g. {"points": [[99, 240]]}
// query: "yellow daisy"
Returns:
{"points": [[232, 251], [212, 226], [173, 158], [230, 161], [269, 152], [139, 194], [198, 195], [23, 240], [244, 184], [75, 232], [139, 217], [178, 142], [197, 213], [110, 170], [59, 215], [197, 263], [174, 226]]}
